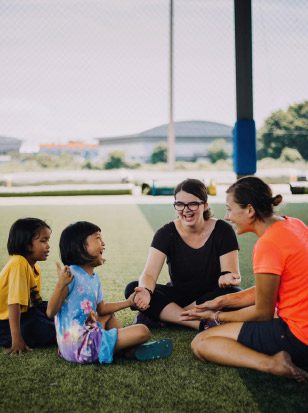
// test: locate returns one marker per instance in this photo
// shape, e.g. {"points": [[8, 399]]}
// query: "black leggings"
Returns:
{"points": [[166, 294]]}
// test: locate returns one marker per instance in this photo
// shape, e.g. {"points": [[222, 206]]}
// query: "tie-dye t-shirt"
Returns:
{"points": [[82, 339]]}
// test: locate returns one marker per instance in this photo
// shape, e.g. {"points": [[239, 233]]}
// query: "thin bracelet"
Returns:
{"points": [[216, 319], [151, 292]]}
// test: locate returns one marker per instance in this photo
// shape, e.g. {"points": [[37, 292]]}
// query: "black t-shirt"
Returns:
{"points": [[195, 271]]}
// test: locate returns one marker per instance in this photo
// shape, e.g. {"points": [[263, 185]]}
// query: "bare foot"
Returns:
{"points": [[282, 365]]}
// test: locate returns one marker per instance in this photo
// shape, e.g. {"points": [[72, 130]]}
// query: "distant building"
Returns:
{"points": [[87, 151], [193, 139], [9, 145]]}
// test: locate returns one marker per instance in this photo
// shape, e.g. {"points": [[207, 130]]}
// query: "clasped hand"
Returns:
{"points": [[142, 298], [131, 299], [230, 279], [197, 314], [204, 311]]}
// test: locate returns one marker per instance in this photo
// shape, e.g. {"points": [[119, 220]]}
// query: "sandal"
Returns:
{"points": [[154, 350]]}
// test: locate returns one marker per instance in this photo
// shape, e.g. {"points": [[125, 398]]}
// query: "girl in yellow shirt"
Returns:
{"points": [[23, 320]]}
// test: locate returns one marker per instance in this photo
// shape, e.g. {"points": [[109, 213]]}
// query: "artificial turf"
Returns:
{"points": [[41, 382]]}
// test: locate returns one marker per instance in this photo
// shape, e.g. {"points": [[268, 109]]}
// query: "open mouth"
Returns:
{"points": [[188, 216]]}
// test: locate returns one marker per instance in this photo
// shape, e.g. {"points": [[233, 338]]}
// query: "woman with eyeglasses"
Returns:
{"points": [[202, 257], [268, 327]]}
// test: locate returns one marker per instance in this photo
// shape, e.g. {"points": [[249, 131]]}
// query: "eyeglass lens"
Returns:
{"points": [[192, 206]]}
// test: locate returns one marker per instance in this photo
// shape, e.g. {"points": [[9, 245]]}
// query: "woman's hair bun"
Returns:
{"points": [[276, 200]]}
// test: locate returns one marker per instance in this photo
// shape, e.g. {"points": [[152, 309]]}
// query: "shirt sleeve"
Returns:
{"points": [[267, 258], [71, 285], [226, 238], [19, 284], [161, 239]]}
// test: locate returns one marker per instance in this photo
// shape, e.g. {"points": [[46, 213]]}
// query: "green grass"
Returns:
{"points": [[41, 382]]}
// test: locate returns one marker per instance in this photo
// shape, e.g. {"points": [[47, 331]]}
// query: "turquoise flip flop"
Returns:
{"points": [[154, 350]]}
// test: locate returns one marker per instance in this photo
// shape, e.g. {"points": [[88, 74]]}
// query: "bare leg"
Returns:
{"points": [[103, 319], [113, 322], [171, 313], [132, 336], [220, 346], [189, 306], [109, 321]]}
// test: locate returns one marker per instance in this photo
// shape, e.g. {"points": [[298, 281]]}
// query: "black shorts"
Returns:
{"points": [[36, 328], [166, 294], [270, 337]]}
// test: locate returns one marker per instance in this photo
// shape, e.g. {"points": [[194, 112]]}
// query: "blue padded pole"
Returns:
{"points": [[244, 147]]}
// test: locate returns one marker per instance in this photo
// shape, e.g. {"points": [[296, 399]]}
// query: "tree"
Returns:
{"points": [[159, 153], [115, 160], [285, 129], [290, 155], [217, 150]]}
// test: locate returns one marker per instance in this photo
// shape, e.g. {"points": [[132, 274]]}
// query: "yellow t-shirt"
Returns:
{"points": [[19, 284]]}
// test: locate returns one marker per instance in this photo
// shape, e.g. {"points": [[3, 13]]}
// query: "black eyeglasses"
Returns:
{"points": [[192, 206]]}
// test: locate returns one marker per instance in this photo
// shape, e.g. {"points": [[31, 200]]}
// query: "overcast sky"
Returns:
{"points": [[80, 69]]}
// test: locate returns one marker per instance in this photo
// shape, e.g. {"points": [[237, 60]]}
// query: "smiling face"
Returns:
{"points": [[186, 216], [241, 218], [95, 247], [39, 250]]}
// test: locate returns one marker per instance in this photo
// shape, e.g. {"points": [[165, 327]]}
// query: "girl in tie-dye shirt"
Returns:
{"points": [[87, 330]]}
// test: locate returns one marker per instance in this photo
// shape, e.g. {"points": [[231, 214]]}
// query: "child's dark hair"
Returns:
{"points": [[197, 188], [22, 233], [252, 190], [73, 243]]}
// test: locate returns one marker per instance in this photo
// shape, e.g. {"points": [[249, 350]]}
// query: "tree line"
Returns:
{"points": [[285, 134]]}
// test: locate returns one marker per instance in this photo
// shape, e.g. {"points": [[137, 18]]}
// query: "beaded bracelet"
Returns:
{"points": [[216, 319]]}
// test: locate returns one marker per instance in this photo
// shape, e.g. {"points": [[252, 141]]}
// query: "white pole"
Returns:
{"points": [[171, 132]]}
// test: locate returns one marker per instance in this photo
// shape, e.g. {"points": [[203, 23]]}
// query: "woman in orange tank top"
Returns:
{"points": [[266, 326]]}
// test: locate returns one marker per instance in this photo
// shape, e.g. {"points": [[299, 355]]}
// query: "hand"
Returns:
{"points": [[131, 299], [195, 314], [216, 304], [228, 280], [64, 275], [142, 298], [18, 347]]}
